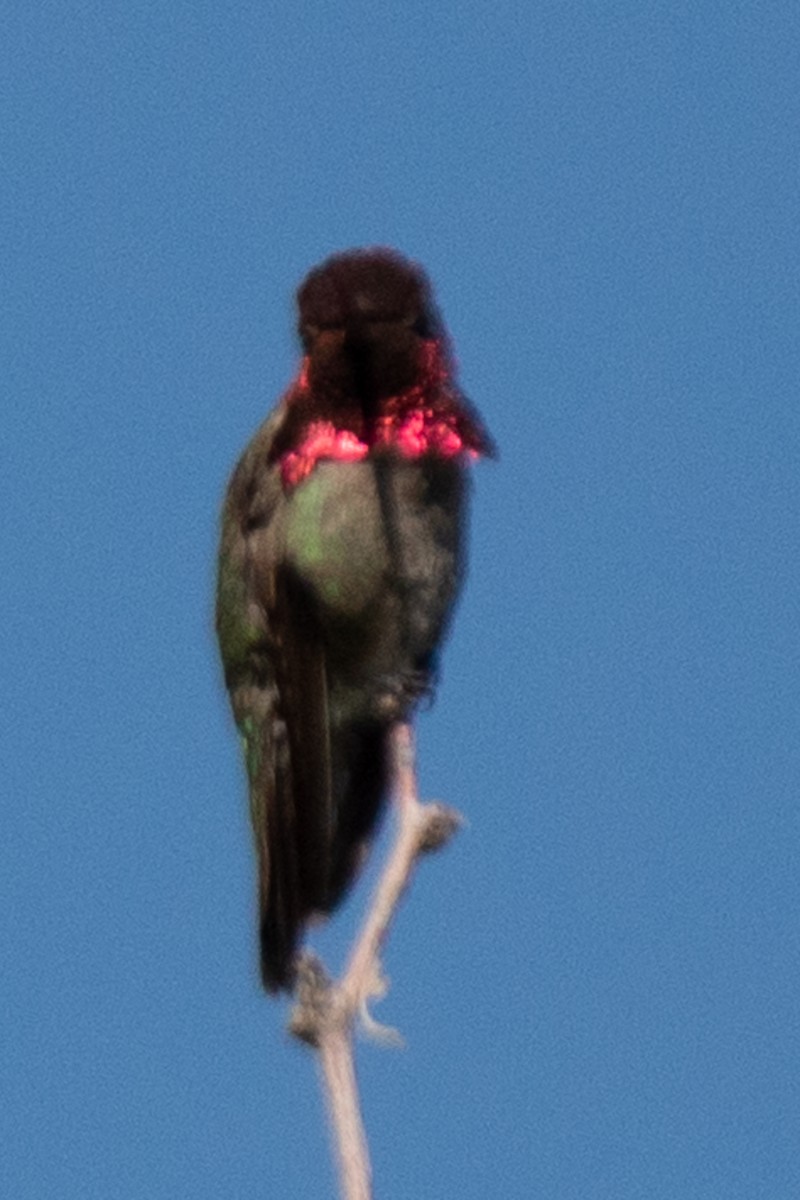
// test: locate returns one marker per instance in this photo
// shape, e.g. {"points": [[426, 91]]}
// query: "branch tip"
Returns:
{"points": [[439, 824]]}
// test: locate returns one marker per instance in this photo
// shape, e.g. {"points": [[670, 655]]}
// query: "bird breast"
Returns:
{"points": [[380, 537]]}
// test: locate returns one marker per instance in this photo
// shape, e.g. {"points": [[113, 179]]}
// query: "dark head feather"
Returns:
{"points": [[366, 286]]}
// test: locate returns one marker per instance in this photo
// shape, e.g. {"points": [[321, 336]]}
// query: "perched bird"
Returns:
{"points": [[341, 558]]}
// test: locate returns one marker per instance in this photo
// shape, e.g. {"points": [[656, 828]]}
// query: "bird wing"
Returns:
{"points": [[274, 664]]}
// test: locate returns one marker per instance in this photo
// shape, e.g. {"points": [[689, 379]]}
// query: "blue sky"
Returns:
{"points": [[598, 981]]}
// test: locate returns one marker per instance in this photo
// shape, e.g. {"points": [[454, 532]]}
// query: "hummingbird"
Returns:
{"points": [[342, 555]]}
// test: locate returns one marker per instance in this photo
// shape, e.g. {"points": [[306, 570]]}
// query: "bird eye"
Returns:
{"points": [[419, 323], [309, 333]]}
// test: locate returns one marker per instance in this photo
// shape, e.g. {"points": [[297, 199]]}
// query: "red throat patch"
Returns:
{"points": [[428, 418]]}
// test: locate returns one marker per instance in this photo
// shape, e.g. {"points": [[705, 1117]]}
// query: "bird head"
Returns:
{"points": [[364, 319]]}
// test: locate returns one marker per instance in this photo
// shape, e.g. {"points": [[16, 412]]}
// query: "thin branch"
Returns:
{"points": [[341, 1090], [325, 1013]]}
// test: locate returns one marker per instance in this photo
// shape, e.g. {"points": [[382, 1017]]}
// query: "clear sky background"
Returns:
{"points": [[599, 981]]}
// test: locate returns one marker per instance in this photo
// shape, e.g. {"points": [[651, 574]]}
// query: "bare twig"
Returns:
{"points": [[325, 1013]]}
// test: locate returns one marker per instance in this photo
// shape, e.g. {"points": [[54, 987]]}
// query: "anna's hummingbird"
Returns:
{"points": [[342, 556]]}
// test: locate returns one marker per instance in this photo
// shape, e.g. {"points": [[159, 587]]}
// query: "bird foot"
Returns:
{"points": [[313, 993], [320, 1003], [399, 694]]}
